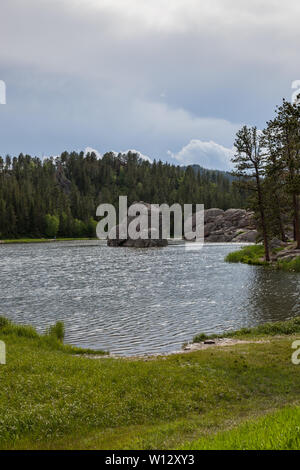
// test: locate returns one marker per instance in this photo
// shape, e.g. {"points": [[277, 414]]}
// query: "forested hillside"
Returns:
{"points": [[59, 197]]}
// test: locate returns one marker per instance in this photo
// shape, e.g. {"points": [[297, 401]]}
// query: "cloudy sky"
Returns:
{"points": [[172, 79]]}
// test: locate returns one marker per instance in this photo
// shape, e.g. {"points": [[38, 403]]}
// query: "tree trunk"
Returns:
{"points": [[296, 220], [263, 220], [266, 242], [281, 226]]}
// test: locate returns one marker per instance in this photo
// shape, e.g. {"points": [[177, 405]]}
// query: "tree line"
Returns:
{"points": [[59, 196], [267, 166]]}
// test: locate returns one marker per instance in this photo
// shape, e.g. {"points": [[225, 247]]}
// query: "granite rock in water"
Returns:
{"points": [[141, 242]]}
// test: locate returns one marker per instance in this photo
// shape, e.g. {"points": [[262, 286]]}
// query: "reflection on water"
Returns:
{"points": [[139, 301], [273, 295]]}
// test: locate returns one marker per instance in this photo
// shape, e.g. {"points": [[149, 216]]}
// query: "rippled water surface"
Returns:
{"points": [[131, 301]]}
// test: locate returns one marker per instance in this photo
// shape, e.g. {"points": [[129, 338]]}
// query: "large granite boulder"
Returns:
{"points": [[210, 215], [247, 237], [232, 225], [218, 238], [146, 239], [276, 243]]}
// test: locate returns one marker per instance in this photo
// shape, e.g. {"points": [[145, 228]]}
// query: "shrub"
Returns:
{"points": [[9, 328], [51, 225], [4, 322], [52, 339], [199, 338], [291, 265], [57, 331]]}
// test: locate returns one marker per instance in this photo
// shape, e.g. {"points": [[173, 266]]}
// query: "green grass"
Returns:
{"points": [[52, 399], [279, 430], [57, 330], [292, 265], [52, 339], [288, 327], [255, 255], [42, 240], [250, 255]]}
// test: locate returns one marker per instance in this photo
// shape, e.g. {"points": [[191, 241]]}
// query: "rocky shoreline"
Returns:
{"points": [[288, 252]]}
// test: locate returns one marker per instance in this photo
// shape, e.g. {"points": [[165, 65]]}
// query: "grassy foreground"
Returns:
{"points": [[254, 255], [279, 430], [52, 399]]}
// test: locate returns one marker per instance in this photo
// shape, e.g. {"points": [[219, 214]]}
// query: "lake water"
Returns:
{"points": [[136, 301]]}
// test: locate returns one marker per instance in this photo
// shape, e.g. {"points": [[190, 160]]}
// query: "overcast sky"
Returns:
{"points": [[174, 79]]}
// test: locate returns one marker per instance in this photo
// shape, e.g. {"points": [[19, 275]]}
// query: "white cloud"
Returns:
{"points": [[91, 150], [164, 123], [141, 155], [100, 156], [206, 154]]}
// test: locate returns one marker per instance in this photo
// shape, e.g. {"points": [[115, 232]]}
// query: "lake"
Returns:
{"points": [[137, 301]]}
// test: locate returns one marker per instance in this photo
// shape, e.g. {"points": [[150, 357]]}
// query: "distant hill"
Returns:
{"points": [[201, 170]]}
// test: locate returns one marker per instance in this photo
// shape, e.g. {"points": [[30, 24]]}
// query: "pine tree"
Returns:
{"points": [[250, 166], [285, 129]]}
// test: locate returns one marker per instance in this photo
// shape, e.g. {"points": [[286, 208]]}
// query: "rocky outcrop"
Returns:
{"points": [[64, 183], [145, 241], [288, 254], [249, 236], [232, 225], [275, 243]]}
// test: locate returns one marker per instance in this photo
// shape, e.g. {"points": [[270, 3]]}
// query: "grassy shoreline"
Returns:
{"points": [[42, 240], [51, 398], [254, 255], [52, 339], [278, 328]]}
